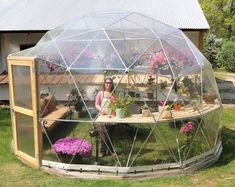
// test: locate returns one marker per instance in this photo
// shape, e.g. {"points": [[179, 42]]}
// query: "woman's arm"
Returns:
{"points": [[98, 100]]}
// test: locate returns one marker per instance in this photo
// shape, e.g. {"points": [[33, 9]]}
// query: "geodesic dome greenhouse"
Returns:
{"points": [[170, 121]]}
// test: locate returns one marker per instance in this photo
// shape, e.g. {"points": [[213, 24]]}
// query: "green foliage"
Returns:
{"points": [[226, 56], [220, 15], [122, 101], [212, 45]]}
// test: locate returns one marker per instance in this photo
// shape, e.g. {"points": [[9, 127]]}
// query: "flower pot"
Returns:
{"points": [[120, 113], [66, 158], [210, 98], [177, 107], [146, 112], [160, 109], [78, 106], [166, 114], [150, 95]]}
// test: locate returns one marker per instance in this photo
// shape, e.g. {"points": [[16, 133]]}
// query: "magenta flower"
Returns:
{"points": [[161, 103], [188, 127], [73, 146]]}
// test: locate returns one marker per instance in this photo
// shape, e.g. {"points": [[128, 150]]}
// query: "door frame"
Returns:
{"points": [[30, 62]]}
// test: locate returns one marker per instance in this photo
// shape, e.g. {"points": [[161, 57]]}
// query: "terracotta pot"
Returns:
{"points": [[145, 112], [177, 107], [210, 98]]}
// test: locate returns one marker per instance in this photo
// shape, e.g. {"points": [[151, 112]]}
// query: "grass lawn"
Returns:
{"points": [[15, 173]]}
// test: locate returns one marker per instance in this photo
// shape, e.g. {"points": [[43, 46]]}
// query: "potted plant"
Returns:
{"points": [[150, 87], [163, 84], [177, 105], [210, 97], [120, 105], [166, 114], [145, 111], [161, 106], [74, 99], [68, 148]]}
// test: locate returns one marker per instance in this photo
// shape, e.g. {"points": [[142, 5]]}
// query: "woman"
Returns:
{"points": [[103, 105]]}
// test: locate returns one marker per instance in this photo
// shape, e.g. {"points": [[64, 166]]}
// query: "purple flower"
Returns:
{"points": [[161, 103], [73, 146]]}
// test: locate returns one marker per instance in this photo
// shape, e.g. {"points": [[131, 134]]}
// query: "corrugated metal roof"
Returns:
{"points": [[33, 15]]}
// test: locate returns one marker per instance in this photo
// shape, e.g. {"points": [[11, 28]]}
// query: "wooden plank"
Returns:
{"points": [[23, 111], [12, 104], [185, 113], [60, 112], [35, 105]]}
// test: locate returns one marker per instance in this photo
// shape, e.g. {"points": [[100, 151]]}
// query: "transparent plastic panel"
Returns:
{"points": [[179, 54], [130, 46], [157, 28], [77, 27], [131, 26], [153, 61], [99, 55], [25, 134], [196, 142], [162, 132], [192, 140], [148, 148], [210, 91], [22, 86], [211, 126], [189, 89], [52, 54], [99, 21], [46, 38], [70, 142], [196, 52]]}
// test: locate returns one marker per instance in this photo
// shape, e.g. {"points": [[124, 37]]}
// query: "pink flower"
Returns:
{"points": [[73, 146], [161, 103], [188, 127], [112, 99]]}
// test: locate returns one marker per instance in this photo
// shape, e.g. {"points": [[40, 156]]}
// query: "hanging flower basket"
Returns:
{"points": [[66, 148]]}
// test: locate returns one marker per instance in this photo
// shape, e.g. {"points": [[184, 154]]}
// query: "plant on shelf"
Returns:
{"points": [[68, 148], [150, 87], [74, 99], [146, 111], [177, 104], [210, 97], [120, 104], [166, 114], [163, 84]]}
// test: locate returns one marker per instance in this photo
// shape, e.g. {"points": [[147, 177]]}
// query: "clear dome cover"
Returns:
{"points": [[144, 57]]}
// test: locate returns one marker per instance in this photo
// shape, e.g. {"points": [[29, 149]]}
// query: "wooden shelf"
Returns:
{"points": [[186, 112]]}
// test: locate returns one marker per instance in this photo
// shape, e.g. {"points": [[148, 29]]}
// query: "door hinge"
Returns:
{"points": [[12, 110]]}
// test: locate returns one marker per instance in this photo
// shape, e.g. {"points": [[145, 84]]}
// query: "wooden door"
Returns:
{"points": [[24, 107]]}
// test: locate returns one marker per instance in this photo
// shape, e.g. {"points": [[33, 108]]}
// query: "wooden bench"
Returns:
{"points": [[50, 120]]}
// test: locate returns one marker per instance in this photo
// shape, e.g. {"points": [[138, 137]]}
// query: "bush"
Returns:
{"points": [[212, 46], [226, 56]]}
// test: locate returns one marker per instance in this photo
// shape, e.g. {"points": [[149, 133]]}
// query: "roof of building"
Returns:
{"points": [[34, 15]]}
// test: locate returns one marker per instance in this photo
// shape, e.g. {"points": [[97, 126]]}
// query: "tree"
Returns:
{"points": [[221, 16], [212, 45], [226, 56]]}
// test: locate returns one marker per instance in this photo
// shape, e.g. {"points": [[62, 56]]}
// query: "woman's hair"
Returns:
{"points": [[111, 80]]}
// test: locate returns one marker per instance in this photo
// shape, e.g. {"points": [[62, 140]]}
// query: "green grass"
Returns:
{"points": [[15, 173]]}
